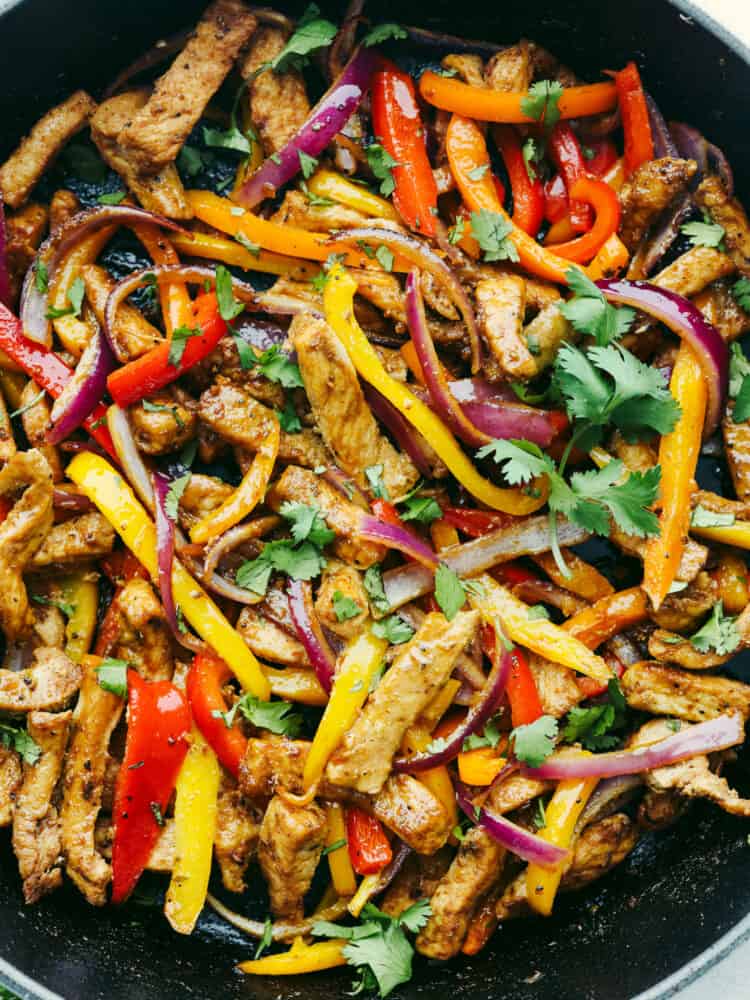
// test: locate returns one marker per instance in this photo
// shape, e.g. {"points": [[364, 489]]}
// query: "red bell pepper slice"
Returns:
{"points": [[528, 195], [204, 683], [567, 155], [512, 574], [636, 127], [48, 371], [384, 510], [591, 688], [606, 205], [155, 747], [604, 157], [369, 848], [555, 199], [525, 706], [476, 523], [398, 125], [152, 371], [121, 566]]}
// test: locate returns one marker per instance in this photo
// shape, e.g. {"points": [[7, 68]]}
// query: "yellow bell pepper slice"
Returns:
{"points": [[480, 766], [12, 383], [234, 254], [108, 491], [329, 184], [539, 635], [561, 814], [75, 333], [367, 889], [338, 301], [83, 596], [248, 494], [437, 779], [295, 684], [678, 457], [195, 810], [176, 304], [737, 534], [299, 959], [359, 662], [339, 863]]}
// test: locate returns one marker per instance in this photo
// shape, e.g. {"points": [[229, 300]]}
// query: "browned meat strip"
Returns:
{"points": [[662, 690], [24, 231], [515, 792], [418, 879], [161, 192], [646, 194], [683, 611], [694, 270], [64, 206], [269, 641], [277, 102], [237, 830], [154, 135], [37, 838], [291, 841], [167, 428], [342, 516], [363, 759], [501, 304], [23, 168], [546, 332], [86, 537], [468, 67], [713, 198], [7, 441], [36, 421], [96, 715], [694, 555], [694, 779], [143, 637], [659, 810], [48, 684], [737, 451], [296, 210], [11, 776], [202, 495], [132, 334], [512, 69], [720, 307], [341, 412], [269, 764], [669, 647], [343, 580], [558, 691]]}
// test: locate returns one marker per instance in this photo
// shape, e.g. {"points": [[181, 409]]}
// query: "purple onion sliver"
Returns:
{"points": [[326, 119], [309, 633], [395, 536], [5, 294], [664, 144], [406, 437], [511, 420], [165, 533], [85, 390]]}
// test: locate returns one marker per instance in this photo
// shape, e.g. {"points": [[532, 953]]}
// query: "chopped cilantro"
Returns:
{"points": [[540, 816], [150, 407], [741, 293], [178, 343], [492, 231], [275, 716], [384, 257], [382, 163], [704, 518], [532, 744], [74, 296], [253, 248], [739, 384], [531, 154], [394, 629], [16, 737], [229, 307], [267, 939], [307, 523], [489, 737], [541, 102], [67, 609], [288, 420], [277, 366], [312, 33], [112, 676], [590, 313], [190, 160], [345, 608], [41, 277], [456, 232], [111, 197], [719, 633], [307, 163], [450, 593], [596, 727], [421, 509], [704, 234], [174, 494], [157, 813], [382, 33], [373, 583], [230, 138], [374, 476]]}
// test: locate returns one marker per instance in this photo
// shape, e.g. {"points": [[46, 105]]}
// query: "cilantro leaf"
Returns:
{"points": [[67, 609], [541, 102], [416, 916], [373, 584], [111, 197], [388, 956], [739, 384], [595, 726], [590, 313], [531, 154], [532, 744], [112, 676], [421, 509], [178, 343], [275, 716], [74, 296], [17, 738], [374, 476], [229, 307], [384, 257], [718, 633], [382, 163], [255, 574], [307, 163], [278, 367], [456, 232], [288, 420], [245, 353], [394, 629], [253, 248], [627, 502], [267, 940], [174, 494], [382, 33], [190, 160], [230, 138], [491, 231], [306, 523], [449, 591], [703, 234], [345, 608], [41, 277], [490, 737], [741, 293], [150, 407], [312, 33]]}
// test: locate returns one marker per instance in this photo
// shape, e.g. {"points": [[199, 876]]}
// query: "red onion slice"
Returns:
{"points": [[310, 633], [165, 562], [129, 457], [5, 294], [687, 321], [476, 717], [512, 420], [85, 390], [705, 737], [395, 536], [326, 119], [406, 437], [479, 390], [513, 838], [427, 260]]}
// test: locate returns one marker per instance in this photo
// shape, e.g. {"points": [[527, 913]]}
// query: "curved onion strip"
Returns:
{"points": [[5, 295], [165, 562], [218, 584], [395, 536], [343, 43], [406, 437], [310, 633], [690, 325], [84, 391], [511, 420], [476, 717], [705, 737], [279, 930], [65, 497], [442, 399], [423, 257], [129, 457], [514, 838], [664, 144], [327, 118], [346, 486], [452, 43], [34, 303], [479, 390], [608, 794], [220, 546], [195, 274]]}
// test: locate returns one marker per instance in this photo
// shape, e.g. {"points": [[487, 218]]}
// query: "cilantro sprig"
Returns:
{"points": [[382, 163], [275, 716], [492, 232], [739, 384], [542, 102], [300, 557], [16, 737], [719, 633], [590, 313], [598, 727]]}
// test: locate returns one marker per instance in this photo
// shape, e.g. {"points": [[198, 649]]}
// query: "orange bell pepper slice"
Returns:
{"points": [[608, 616], [607, 207], [480, 766], [369, 848]]}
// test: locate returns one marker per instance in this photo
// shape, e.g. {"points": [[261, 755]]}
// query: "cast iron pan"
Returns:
{"points": [[682, 900]]}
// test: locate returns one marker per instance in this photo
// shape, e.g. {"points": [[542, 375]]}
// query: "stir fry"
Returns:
{"points": [[374, 485]]}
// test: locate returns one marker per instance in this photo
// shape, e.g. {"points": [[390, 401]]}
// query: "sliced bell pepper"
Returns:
{"points": [[608, 616], [121, 566], [248, 494], [542, 637], [338, 301], [521, 689], [604, 157], [367, 889], [528, 195], [437, 779], [115, 499], [555, 200], [397, 123], [560, 232], [82, 595], [443, 535], [155, 747], [328, 184], [731, 576], [466, 149], [295, 684], [612, 258], [339, 863], [235, 255], [75, 333], [195, 810], [475, 523], [678, 457], [358, 665], [512, 573], [636, 127], [369, 848], [300, 958], [152, 371], [384, 510], [48, 371], [176, 305], [606, 204], [561, 815], [480, 766], [737, 534], [505, 106], [205, 680], [584, 579], [565, 152]]}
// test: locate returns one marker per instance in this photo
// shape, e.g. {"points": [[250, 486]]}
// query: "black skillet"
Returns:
{"points": [[682, 901]]}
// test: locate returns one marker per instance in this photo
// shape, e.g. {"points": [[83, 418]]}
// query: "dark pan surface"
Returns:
{"points": [[681, 892]]}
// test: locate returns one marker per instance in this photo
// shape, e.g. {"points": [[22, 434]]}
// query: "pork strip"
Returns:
{"points": [[11, 776], [237, 831], [645, 195], [713, 198], [501, 306], [132, 334], [662, 690], [277, 102], [89, 536], [47, 685], [291, 842]]}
